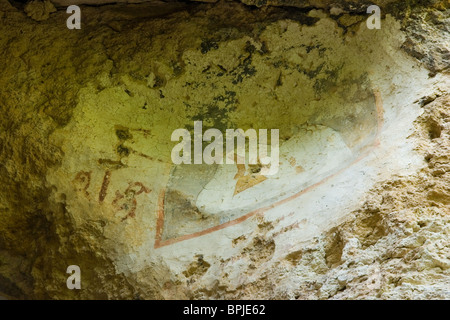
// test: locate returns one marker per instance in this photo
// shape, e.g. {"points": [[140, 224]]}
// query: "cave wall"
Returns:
{"points": [[85, 152]]}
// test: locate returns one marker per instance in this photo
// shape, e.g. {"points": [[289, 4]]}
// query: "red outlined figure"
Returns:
{"points": [[159, 242]]}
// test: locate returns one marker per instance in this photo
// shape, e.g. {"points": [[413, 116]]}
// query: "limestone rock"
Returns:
{"points": [[39, 10], [358, 210]]}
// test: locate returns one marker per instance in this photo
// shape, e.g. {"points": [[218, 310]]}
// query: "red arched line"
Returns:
{"points": [[160, 220]]}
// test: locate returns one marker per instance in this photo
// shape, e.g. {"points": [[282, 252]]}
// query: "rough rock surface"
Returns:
{"points": [[84, 149], [39, 10], [395, 247], [333, 6]]}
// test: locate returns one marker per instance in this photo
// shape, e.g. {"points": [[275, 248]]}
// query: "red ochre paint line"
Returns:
{"points": [[160, 222], [105, 184], [160, 219]]}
